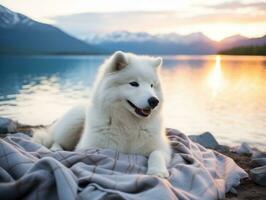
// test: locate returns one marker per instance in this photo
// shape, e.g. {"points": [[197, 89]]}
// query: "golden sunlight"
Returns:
{"points": [[215, 77]]}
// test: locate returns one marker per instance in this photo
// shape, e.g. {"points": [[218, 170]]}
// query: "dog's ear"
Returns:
{"points": [[119, 61], [157, 62]]}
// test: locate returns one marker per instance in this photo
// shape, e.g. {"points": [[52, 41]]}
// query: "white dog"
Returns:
{"points": [[124, 114]]}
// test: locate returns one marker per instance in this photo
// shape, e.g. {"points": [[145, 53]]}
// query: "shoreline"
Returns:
{"points": [[248, 189]]}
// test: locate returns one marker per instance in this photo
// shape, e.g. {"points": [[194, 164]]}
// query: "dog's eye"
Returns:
{"points": [[134, 84], [151, 85]]}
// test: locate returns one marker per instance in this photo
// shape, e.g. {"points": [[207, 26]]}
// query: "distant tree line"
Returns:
{"points": [[245, 50]]}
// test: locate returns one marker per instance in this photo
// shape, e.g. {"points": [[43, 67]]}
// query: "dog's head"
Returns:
{"points": [[133, 82]]}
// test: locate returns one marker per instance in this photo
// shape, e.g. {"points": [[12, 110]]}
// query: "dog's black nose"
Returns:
{"points": [[153, 102]]}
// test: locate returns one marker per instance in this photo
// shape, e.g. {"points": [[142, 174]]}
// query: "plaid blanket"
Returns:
{"points": [[31, 171]]}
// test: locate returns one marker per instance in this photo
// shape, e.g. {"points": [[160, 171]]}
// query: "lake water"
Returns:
{"points": [[225, 95]]}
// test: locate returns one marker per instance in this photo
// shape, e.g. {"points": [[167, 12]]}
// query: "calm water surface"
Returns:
{"points": [[225, 95]]}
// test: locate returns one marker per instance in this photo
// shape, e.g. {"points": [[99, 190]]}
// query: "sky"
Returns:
{"points": [[216, 19]]}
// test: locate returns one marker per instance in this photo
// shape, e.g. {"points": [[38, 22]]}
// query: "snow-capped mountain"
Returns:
{"points": [[125, 36], [119, 36], [142, 42], [20, 34], [10, 19]]}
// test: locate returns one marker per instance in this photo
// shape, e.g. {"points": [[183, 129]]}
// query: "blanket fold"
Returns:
{"points": [[31, 171]]}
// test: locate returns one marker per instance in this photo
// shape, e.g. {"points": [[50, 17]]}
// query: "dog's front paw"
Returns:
{"points": [[163, 173]]}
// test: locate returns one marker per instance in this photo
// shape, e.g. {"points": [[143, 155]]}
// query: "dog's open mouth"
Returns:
{"points": [[142, 112]]}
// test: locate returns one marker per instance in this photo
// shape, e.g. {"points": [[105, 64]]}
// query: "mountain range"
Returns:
{"points": [[171, 43], [20, 34], [144, 43]]}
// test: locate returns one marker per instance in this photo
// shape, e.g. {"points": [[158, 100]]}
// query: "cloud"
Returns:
{"points": [[216, 25], [130, 21], [153, 22], [239, 5], [227, 18]]}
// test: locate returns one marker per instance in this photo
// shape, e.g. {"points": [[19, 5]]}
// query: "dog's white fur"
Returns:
{"points": [[109, 121]]}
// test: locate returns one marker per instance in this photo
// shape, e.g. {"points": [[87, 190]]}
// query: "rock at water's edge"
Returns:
{"points": [[244, 148], [205, 139], [7, 125], [258, 175], [258, 162]]}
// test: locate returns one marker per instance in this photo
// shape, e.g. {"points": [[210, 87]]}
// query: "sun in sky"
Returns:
{"points": [[216, 19]]}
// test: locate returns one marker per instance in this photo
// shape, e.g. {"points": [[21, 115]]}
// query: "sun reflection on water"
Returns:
{"points": [[215, 77], [225, 95]]}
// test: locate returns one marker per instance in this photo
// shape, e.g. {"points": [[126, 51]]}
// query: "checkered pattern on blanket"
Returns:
{"points": [[31, 171]]}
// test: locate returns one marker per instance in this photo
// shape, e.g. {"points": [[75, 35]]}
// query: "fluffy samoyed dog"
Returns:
{"points": [[124, 113]]}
